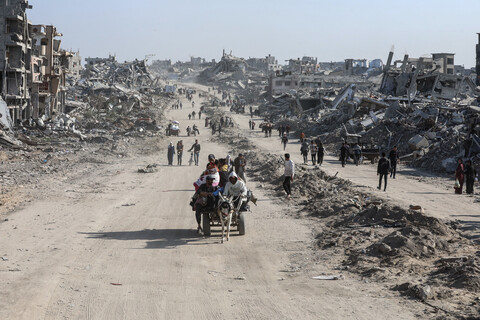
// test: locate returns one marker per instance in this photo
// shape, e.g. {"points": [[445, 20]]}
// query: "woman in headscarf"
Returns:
{"points": [[459, 176], [170, 153]]}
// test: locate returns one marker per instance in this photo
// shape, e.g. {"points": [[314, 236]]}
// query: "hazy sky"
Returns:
{"points": [[330, 30]]}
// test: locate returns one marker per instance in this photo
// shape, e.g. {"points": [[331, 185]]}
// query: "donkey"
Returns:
{"points": [[224, 211]]}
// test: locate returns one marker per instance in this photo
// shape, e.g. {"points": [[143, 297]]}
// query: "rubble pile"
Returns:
{"points": [[233, 74], [423, 256]]}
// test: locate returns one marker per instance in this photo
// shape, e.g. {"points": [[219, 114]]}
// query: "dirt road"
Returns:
{"points": [[116, 244]]}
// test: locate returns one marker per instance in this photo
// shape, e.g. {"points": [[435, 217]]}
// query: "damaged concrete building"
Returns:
{"points": [[431, 77], [15, 57], [33, 67]]}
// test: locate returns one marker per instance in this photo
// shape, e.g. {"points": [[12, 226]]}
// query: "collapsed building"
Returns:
{"points": [[428, 107], [33, 66]]}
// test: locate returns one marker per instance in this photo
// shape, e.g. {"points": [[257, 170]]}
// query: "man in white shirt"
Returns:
{"points": [[288, 174]]}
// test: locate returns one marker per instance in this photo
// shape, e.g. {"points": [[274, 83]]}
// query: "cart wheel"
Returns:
{"points": [[241, 224], [206, 224]]}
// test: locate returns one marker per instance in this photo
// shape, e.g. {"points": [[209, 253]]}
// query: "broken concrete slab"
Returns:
{"points": [[418, 142]]}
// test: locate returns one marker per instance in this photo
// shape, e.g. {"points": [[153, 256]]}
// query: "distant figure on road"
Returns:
{"points": [[393, 157], [195, 129], [459, 177], [200, 114], [193, 115], [284, 140], [383, 170], [320, 152], [250, 124], [302, 137], [343, 154], [170, 153], [196, 151], [189, 116], [470, 174], [313, 152], [253, 125], [179, 152], [288, 174], [287, 130], [304, 151], [357, 153]]}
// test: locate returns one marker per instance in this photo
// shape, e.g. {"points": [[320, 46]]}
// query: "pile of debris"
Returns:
{"points": [[418, 255]]}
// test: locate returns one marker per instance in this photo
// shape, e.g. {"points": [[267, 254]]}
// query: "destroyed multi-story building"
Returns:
{"points": [[445, 62], [15, 57], [432, 77], [306, 65], [267, 65], [49, 94], [33, 67]]}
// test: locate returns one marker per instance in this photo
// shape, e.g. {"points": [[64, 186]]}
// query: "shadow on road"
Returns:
{"points": [[156, 238]]}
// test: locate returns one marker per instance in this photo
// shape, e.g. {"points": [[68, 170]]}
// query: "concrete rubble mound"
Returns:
{"points": [[427, 258]]}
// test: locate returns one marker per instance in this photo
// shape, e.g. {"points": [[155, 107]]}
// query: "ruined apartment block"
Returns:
{"points": [[33, 68], [15, 61]]}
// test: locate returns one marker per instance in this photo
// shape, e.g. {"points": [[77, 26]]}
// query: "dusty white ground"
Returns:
{"points": [[116, 244]]}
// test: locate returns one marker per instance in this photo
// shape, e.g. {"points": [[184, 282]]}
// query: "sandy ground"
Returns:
{"points": [[116, 244]]}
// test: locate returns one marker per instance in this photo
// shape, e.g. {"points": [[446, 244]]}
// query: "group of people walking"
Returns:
{"points": [[195, 149], [465, 174], [314, 147]]}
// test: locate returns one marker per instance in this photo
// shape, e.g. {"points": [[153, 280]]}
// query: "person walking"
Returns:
{"points": [[343, 154], [459, 177], [320, 153], [193, 115], [200, 114], [288, 174], [253, 125], [196, 151], [383, 170], [304, 151], [250, 124], [357, 153], [195, 129], [284, 140], [239, 164], [189, 116], [313, 152], [302, 137], [470, 174], [170, 153], [393, 157], [179, 152]]}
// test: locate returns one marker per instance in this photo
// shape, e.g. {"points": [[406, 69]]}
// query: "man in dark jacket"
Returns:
{"points": [[393, 157], [470, 174], [319, 151], [383, 170], [196, 151], [344, 154]]}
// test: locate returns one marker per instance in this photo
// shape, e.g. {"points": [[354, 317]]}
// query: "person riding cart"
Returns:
{"points": [[204, 200], [236, 188]]}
